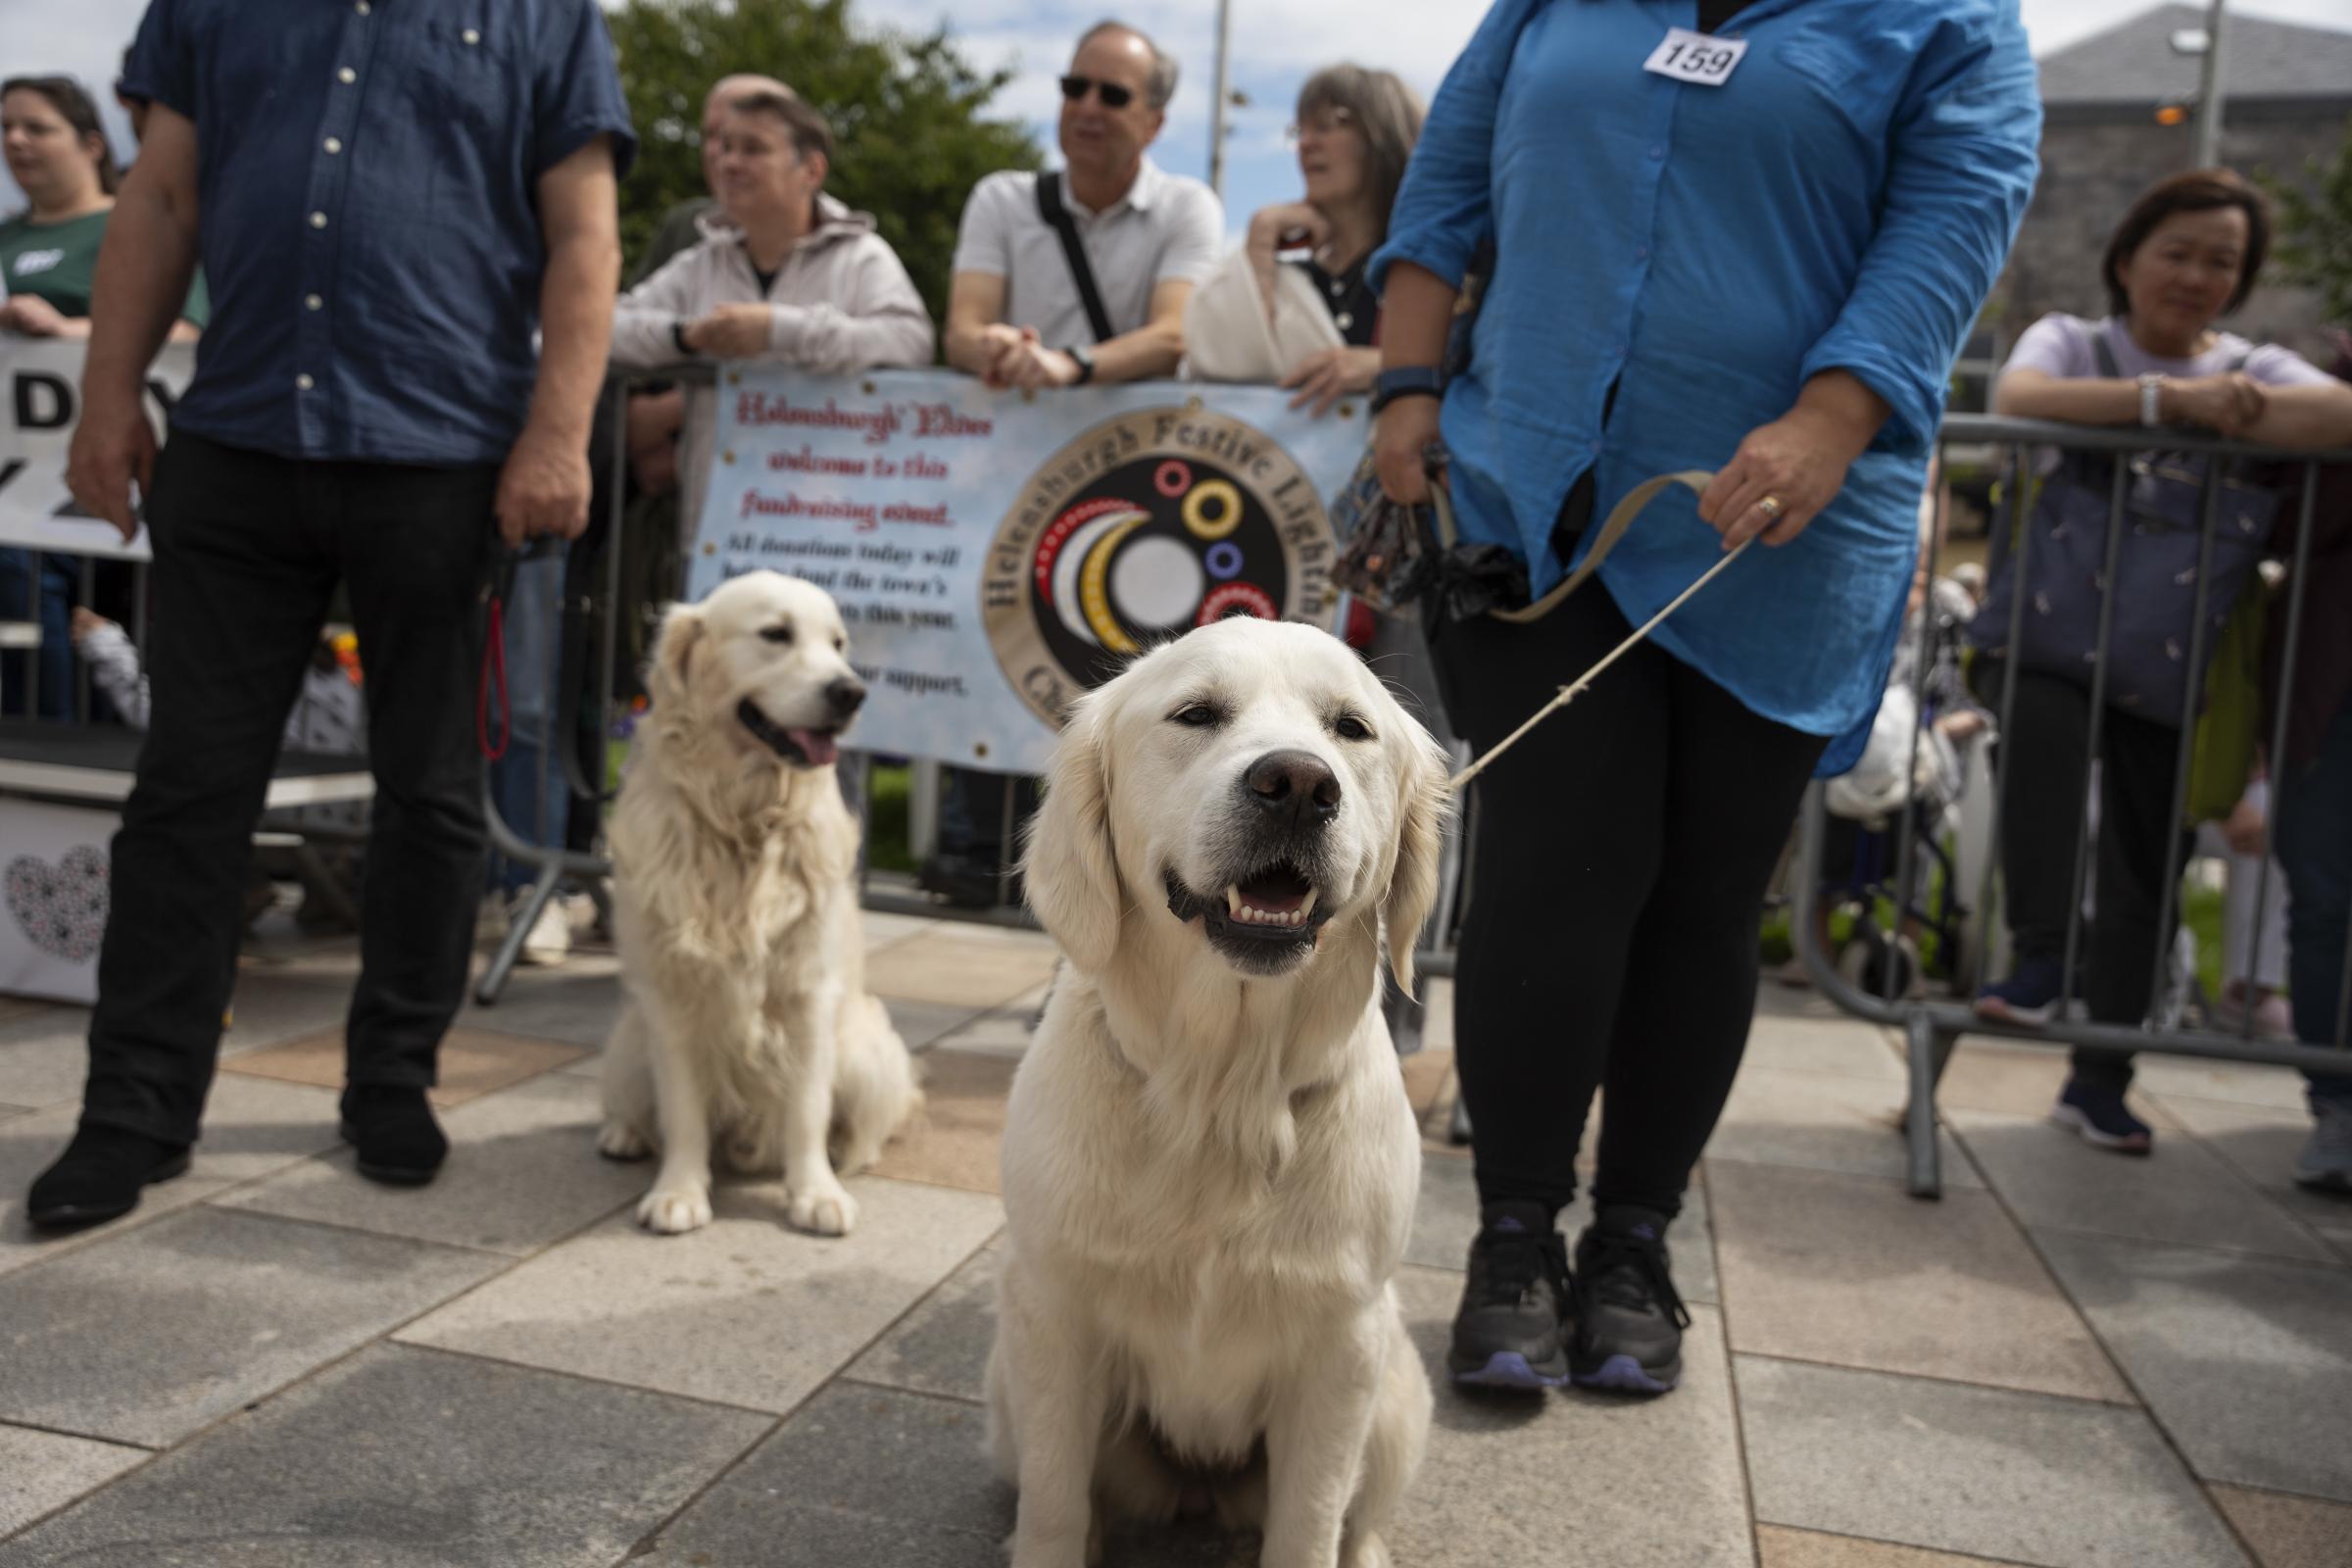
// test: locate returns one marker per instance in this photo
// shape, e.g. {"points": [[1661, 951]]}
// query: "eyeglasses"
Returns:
{"points": [[1328, 123], [1075, 88]]}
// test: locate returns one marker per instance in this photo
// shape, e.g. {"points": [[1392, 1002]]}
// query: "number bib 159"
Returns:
{"points": [[1696, 58]]}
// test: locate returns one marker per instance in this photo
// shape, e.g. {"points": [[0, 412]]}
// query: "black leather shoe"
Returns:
{"points": [[392, 1127], [99, 1176]]}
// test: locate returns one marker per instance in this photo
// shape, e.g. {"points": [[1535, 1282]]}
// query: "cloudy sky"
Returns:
{"points": [[1275, 44]]}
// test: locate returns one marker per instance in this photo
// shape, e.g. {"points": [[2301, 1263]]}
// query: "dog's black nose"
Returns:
{"points": [[844, 694], [1296, 788]]}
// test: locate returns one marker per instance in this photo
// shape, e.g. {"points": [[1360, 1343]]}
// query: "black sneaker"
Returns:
{"points": [[1507, 1334], [1629, 1320], [393, 1130]]}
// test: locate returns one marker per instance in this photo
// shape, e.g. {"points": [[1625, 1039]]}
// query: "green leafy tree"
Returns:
{"points": [[2315, 230], [909, 115]]}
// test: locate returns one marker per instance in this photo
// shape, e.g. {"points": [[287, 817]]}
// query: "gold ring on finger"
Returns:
{"points": [[1771, 506]]}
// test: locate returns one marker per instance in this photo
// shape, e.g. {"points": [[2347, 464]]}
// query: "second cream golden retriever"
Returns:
{"points": [[1209, 1161], [746, 1020]]}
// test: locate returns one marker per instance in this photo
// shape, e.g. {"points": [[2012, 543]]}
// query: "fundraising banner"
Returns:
{"points": [[37, 414], [996, 555]]}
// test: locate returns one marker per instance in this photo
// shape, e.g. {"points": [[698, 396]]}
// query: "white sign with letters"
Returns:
{"points": [[40, 399], [995, 556]]}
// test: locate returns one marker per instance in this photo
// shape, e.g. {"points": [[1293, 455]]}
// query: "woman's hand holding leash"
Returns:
{"points": [[1399, 440], [1786, 471]]}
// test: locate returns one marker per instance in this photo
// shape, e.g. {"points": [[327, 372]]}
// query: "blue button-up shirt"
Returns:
{"points": [[367, 174], [1844, 201]]}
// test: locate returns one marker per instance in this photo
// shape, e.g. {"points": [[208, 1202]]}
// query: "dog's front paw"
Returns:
{"points": [[675, 1210], [828, 1210], [617, 1140]]}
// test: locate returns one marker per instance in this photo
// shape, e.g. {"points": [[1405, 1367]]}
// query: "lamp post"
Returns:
{"points": [[2209, 91], [1216, 102]]}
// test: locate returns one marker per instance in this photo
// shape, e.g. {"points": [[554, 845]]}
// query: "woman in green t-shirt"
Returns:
{"points": [[58, 156]]}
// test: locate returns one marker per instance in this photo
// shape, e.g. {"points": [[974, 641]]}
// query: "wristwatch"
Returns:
{"points": [[2152, 387], [1085, 362], [1406, 382]]}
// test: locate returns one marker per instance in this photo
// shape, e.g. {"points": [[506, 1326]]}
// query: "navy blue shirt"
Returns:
{"points": [[367, 184]]}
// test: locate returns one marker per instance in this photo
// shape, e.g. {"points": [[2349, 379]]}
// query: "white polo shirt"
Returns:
{"points": [[1166, 228]]}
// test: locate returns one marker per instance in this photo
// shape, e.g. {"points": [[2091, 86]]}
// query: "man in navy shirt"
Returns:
{"points": [[405, 210]]}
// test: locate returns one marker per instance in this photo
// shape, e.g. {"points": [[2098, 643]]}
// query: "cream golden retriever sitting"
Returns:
{"points": [[1209, 1161], [746, 1018]]}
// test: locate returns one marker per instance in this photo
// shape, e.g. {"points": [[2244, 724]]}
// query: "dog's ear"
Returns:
{"points": [[674, 652], [1069, 865], [1424, 797]]}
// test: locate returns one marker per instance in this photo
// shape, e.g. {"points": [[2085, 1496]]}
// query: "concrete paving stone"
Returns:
{"points": [[1845, 1047], [1779, 1547], [576, 1008], [158, 1333], [924, 1024], [44, 1057], [1446, 1219], [471, 1063], [2017, 1080], [745, 1312], [1428, 1077], [290, 954], [27, 1146], [1857, 1273], [43, 1471], [523, 1172], [2288, 1531], [22, 1007], [404, 1458], [1989, 1472], [2247, 1362], [2181, 1191], [266, 1010], [879, 1478], [2199, 1079], [960, 969], [883, 929], [1824, 1121], [953, 1140], [1002, 1032], [2260, 1143], [941, 1346], [1589, 1478], [859, 1477]]}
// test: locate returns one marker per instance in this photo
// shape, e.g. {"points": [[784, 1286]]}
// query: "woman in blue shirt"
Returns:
{"points": [[1748, 238]]}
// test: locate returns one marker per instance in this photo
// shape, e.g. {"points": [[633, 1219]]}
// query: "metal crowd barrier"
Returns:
{"points": [[1931, 1028]]}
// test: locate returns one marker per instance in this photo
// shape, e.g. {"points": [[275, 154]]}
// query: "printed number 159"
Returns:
{"points": [[1692, 61]]}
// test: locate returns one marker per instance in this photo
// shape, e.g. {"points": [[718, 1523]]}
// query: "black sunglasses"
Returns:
{"points": [[1114, 96]]}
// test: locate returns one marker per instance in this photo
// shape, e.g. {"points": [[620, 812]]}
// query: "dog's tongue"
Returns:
{"points": [[816, 744]]}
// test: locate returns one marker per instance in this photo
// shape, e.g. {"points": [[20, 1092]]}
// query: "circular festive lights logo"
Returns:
{"points": [[1142, 529]]}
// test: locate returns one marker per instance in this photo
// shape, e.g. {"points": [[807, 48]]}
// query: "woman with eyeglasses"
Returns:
{"points": [[1748, 238], [57, 155], [1292, 306]]}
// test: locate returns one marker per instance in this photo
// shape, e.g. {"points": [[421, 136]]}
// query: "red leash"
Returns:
{"points": [[494, 664]]}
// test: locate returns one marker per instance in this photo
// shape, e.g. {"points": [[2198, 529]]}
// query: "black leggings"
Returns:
{"points": [[2046, 759], [1621, 858]]}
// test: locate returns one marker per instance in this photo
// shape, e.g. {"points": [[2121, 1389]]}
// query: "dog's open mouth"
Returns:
{"points": [[802, 748], [1264, 921]]}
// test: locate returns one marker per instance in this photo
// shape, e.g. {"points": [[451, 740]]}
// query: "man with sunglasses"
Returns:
{"points": [[1018, 314], [1022, 314]]}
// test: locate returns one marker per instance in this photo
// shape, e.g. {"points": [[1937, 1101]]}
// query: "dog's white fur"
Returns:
{"points": [[746, 1018], [1210, 1174]]}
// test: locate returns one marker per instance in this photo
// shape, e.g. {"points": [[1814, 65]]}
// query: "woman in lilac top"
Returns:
{"points": [[2187, 253]]}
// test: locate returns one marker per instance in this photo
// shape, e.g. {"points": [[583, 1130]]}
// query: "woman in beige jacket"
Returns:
{"points": [[783, 272]]}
